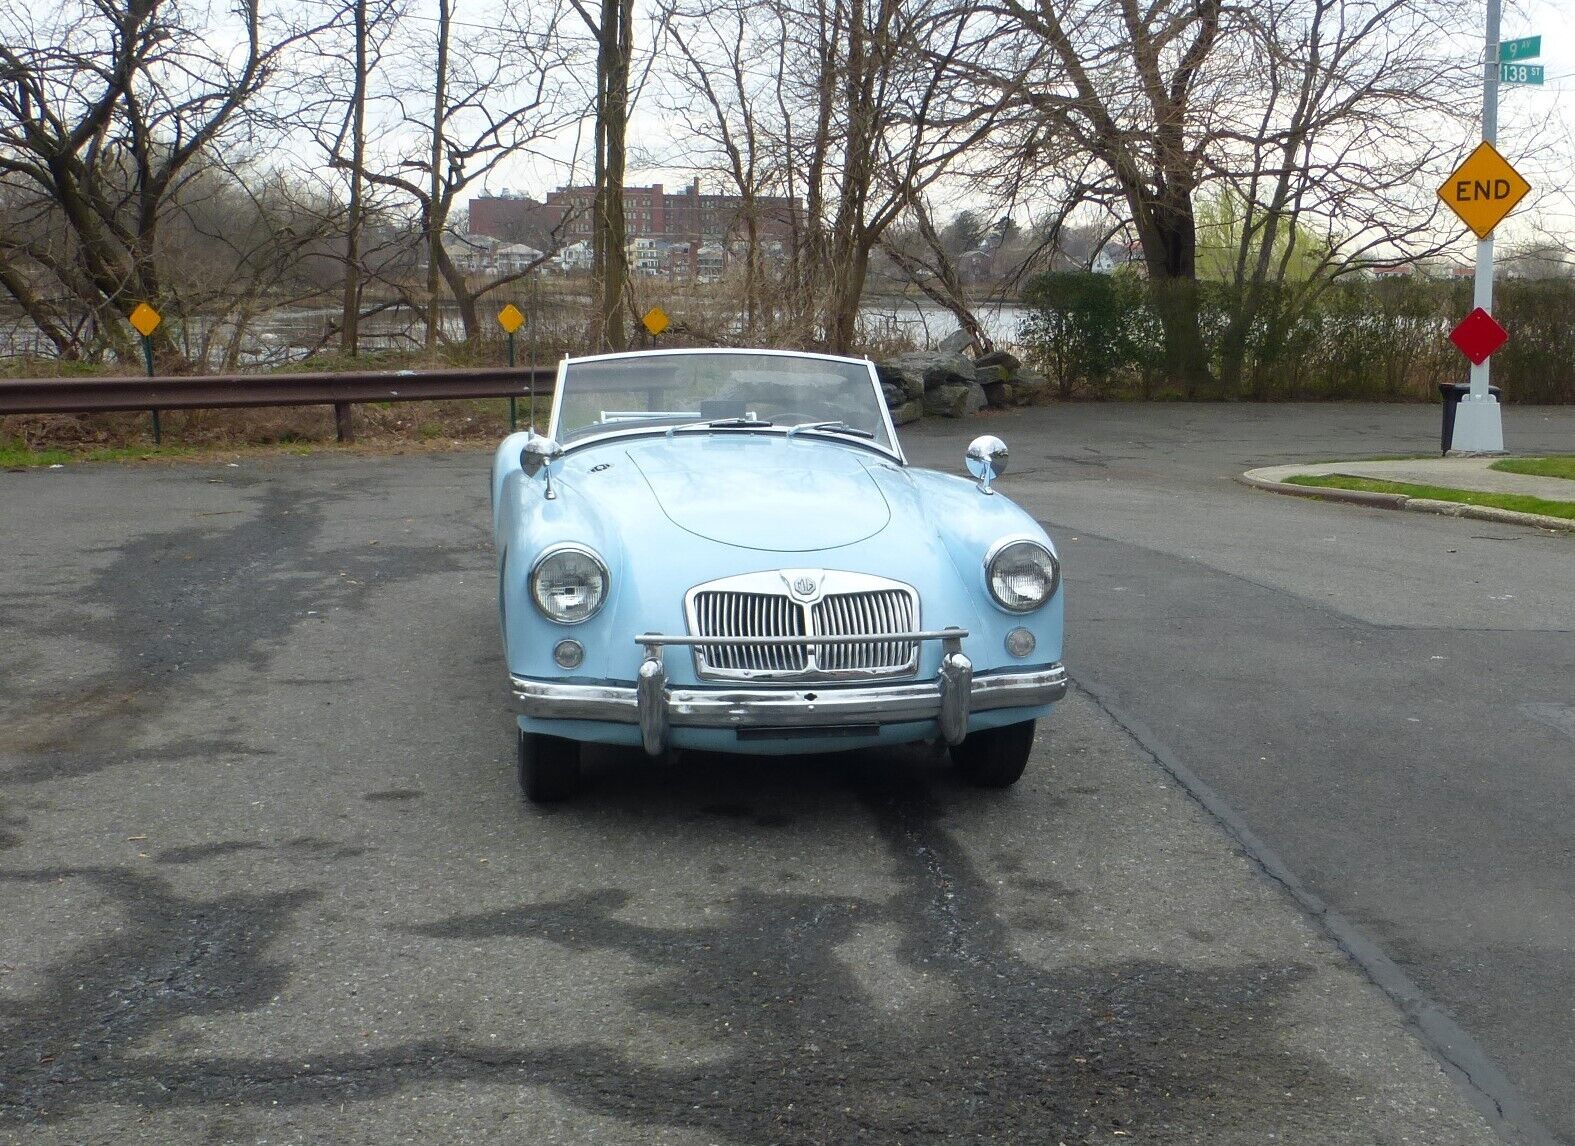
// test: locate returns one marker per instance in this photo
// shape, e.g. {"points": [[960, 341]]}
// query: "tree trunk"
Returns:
{"points": [[350, 313], [465, 299], [849, 265], [38, 312], [434, 200], [609, 260], [1170, 246]]}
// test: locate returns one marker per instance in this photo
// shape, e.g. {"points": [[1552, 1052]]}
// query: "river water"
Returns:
{"points": [[291, 334]]}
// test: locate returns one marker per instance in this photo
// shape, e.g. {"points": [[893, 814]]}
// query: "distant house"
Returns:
{"points": [[575, 257], [974, 266], [646, 256], [472, 254], [514, 258], [710, 262]]}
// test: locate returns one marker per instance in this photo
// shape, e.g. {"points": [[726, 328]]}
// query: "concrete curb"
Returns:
{"points": [[1262, 479]]}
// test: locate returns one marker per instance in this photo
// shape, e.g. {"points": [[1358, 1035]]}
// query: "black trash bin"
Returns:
{"points": [[1452, 392]]}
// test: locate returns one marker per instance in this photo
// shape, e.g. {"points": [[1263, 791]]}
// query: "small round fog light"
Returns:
{"points": [[1020, 642], [571, 654]]}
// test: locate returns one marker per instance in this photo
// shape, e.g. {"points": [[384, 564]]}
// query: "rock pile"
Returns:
{"points": [[949, 384]]}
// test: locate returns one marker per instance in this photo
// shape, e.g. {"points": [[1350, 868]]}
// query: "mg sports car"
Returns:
{"points": [[727, 550]]}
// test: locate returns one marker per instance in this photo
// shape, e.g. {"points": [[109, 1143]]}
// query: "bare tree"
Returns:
{"points": [[612, 27], [930, 264], [105, 110], [1337, 155], [886, 91], [464, 98], [718, 94], [329, 104], [1303, 106]]}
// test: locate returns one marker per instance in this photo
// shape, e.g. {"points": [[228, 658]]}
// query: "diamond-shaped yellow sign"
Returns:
{"points": [[656, 320], [510, 318], [1483, 189], [145, 319]]}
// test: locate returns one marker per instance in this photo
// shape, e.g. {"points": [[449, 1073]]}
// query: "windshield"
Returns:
{"points": [[600, 395]]}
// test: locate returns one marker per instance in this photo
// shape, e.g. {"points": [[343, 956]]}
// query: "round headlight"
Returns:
{"points": [[1022, 575], [569, 584]]}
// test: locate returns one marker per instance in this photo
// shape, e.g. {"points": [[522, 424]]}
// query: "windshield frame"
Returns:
{"points": [[894, 451]]}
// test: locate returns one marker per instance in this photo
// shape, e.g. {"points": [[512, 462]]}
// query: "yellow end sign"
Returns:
{"points": [[510, 318], [145, 319], [656, 320], [1483, 190]]}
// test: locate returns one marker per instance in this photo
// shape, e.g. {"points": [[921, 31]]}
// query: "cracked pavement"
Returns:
{"points": [[267, 877]]}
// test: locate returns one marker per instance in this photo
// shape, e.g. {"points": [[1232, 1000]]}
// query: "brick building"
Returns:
{"points": [[649, 213]]}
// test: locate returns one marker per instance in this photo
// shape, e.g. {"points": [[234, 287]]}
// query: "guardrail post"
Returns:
{"points": [[342, 424]]}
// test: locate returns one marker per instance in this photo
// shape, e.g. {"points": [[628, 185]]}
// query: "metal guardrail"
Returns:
{"points": [[219, 391]]}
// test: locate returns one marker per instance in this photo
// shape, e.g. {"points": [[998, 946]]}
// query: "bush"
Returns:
{"points": [[1388, 340], [1087, 332]]}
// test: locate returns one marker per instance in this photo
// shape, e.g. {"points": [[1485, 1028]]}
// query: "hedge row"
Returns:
{"points": [[1099, 336]]}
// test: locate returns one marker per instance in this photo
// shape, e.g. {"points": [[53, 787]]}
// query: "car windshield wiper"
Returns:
{"points": [[720, 424], [832, 428]]}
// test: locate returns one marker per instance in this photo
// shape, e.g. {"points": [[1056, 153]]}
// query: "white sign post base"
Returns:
{"points": [[1479, 426]]}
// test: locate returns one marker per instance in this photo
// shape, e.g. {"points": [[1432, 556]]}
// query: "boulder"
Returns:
{"points": [[998, 393], [954, 399], [894, 394], [1030, 386], [905, 372], [910, 411], [956, 342], [927, 367], [995, 372], [1000, 358], [946, 369]]}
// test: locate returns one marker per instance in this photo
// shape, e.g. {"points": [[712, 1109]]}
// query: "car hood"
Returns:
{"points": [[764, 492]]}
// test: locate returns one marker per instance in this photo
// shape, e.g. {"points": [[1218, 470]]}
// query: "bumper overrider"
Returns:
{"points": [[656, 706]]}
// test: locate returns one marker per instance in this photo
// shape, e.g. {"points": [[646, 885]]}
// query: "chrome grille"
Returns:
{"points": [[840, 604], [750, 615], [847, 614]]}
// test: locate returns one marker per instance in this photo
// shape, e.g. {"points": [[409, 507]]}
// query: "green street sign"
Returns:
{"points": [[1525, 48], [1520, 73]]}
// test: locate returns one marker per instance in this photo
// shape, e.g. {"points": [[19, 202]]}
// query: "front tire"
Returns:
{"points": [[994, 757], [549, 767]]}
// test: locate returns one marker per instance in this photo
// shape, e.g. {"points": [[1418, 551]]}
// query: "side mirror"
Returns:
{"points": [[986, 460], [538, 453]]}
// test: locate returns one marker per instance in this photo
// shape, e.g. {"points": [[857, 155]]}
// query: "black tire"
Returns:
{"points": [[994, 757], [549, 767]]}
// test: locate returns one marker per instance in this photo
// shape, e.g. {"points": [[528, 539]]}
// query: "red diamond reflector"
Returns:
{"points": [[1478, 336]]}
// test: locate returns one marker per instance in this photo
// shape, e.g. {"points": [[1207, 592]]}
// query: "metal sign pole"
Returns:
{"points": [[1479, 426], [514, 414]]}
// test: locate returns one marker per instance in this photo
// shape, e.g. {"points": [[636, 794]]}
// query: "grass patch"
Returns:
{"points": [[1559, 467], [1520, 503], [15, 455]]}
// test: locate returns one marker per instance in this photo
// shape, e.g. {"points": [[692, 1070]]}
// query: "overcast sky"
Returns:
{"points": [[1536, 134]]}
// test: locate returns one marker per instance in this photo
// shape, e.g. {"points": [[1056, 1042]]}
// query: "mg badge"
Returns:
{"points": [[804, 586]]}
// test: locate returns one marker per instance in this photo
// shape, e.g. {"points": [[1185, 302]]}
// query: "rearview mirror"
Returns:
{"points": [[539, 450], [986, 460]]}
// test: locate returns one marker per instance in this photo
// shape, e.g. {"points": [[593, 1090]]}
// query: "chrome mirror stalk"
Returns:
{"points": [[537, 456]]}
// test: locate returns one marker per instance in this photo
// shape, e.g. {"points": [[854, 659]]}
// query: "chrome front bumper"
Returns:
{"points": [[656, 706]]}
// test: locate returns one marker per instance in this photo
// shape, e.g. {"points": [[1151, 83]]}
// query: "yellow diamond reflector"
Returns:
{"points": [[145, 319], [656, 320], [1483, 190], [510, 318]]}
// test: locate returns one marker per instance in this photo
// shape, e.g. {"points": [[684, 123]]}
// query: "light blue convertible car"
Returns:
{"points": [[726, 550]]}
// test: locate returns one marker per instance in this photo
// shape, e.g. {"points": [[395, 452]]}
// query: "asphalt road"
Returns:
{"points": [[265, 875], [1386, 700]]}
